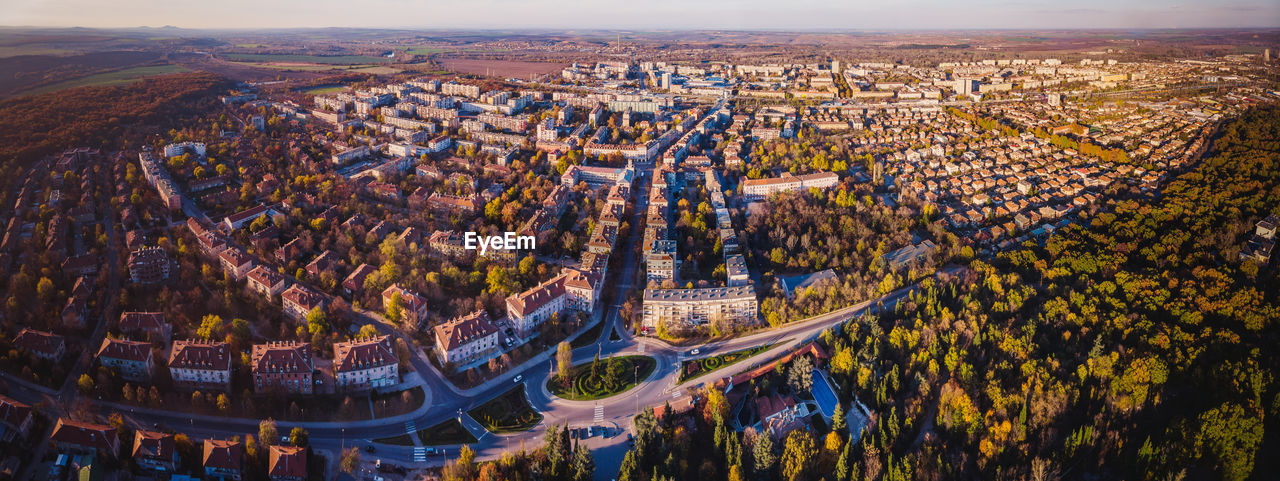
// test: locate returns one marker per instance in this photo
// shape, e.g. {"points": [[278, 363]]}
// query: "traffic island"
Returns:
{"points": [[602, 378]]}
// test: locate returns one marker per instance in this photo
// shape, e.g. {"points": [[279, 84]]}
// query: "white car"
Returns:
{"points": [[518, 378], [695, 352]]}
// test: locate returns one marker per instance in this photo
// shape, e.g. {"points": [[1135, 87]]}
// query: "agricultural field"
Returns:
{"points": [[693, 368], [500, 68], [507, 413], [304, 59], [118, 77], [603, 378]]}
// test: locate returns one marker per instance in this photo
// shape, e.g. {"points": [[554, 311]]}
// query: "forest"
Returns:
{"points": [[1135, 347]]}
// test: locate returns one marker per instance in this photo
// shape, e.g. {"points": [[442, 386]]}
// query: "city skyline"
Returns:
{"points": [[664, 15]]}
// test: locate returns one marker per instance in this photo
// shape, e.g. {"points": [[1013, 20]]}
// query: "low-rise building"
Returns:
{"points": [[283, 367], [236, 262], [299, 300], [287, 463], [90, 438], [363, 364], [149, 265], [223, 459], [41, 344], [201, 365], [266, 281], [413, 307], [132, 359], [153, 451], [758, 189], [467, 341], [15, 419], [149, 326]]}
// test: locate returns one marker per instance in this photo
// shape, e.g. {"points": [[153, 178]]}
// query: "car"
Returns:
{"points": [[695, 352], [369, 448], [519, 377], [430, 451]]}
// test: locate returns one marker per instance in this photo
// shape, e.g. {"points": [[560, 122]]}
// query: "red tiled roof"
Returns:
{"points": [[12, 412], [142, 321], [96, 436], [282, 357], [223, 454], [363, 354], [204, 355], [127, 350], [288, 461], [461, 330], [153, 445], [38, 341]]}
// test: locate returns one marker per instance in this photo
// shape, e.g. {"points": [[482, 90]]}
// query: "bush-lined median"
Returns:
{"points": [[602, 378], [693, 368], [507, 413]]}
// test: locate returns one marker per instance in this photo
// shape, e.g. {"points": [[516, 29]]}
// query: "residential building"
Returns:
{"points": [[413, 307], [529, 309], [299, 300], [467, 341], [15, 419], [236, 262], [41, 344], [149, 265], [266, 281], [81, 437], [132, 359], [363, 364], [692, 307], [203, 365], [287, 463], [153, 451], [223, 460], [282, 366], [149, 326]]}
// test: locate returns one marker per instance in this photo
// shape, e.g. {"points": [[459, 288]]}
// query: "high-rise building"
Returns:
{"points": [[1266, 55]]}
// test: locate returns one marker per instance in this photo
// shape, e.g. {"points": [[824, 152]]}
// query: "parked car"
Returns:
{"points": [[518, 378], [695, 352]]}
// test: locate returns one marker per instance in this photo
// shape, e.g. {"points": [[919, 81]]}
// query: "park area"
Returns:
{"points": [[693, 368], [507, 413], [602, 378]]}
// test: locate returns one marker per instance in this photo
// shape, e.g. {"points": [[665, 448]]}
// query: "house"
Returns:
{"points": [[779, 415], [15, 419], [267, 282], [283, 366], [363, 364], [236, 262], [154, 451], [41, 344], [529, 309], [148, 326], [223, 459], [355, 282], [201, 365], [326, 261], [467, 341], [89, 438], [287, 463], [299, 300], [77, 306], [132, 359], [413, 307]]}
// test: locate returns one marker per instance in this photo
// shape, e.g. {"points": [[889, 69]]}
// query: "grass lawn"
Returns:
{"points": [[330, 89], [448, 432], [378, 70], [118, 77], [690, 369], [324, 59], [585, 387], [507, 413], [399, 440]]}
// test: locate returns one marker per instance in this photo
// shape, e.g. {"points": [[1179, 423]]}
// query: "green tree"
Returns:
{"points": [[210, 327], [85, 383], [267, 432], [564, 360], [799, 456], [298, 437], [762, 453], [584, 465]]}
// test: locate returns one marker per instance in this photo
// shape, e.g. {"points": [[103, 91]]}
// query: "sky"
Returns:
{"points": [[647, 14]]}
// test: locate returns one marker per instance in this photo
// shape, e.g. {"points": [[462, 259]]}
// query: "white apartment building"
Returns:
{"points": [[201, 365], [693, 307], [363, 364], [758, 189], [467, 341]]}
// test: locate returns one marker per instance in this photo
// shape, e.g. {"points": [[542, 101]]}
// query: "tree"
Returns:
{"points": [[395, 307], [800, 376], [798, 456], [317, 321], [838, 422], [368, 331], [350, 460], [85, 383], [267, 432], [210, 327], [763, 455], [715, 404], [298, 437], [564, 360], [584, 465], [224, 402], [45, 289]]}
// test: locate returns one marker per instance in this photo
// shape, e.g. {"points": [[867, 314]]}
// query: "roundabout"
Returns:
{"points": [[603, 378]]}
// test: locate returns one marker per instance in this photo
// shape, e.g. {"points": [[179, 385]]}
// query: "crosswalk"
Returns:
{"points": [[409, 428], [599, 414], [419, 454], [640, 348]]}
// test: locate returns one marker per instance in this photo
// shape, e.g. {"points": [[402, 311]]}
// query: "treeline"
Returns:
{"points": [[37, 125]]}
